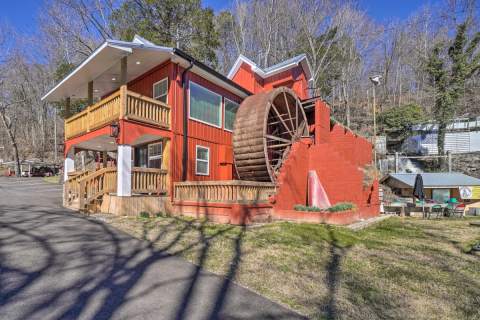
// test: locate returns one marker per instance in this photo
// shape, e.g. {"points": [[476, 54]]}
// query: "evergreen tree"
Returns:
{"points": [[182, 24], [448, 69]]}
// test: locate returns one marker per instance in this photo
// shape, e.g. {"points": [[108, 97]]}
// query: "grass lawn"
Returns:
{"points": [[52, 179], [401, 268]]}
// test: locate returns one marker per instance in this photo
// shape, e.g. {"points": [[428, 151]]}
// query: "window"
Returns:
{"points": [[441, 195], [160, 90], [230, 112], [205, 105], [155, 155], [141, 154], [202, 161]]}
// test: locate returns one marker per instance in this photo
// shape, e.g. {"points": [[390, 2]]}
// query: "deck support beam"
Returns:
{"points": [[124, 171]]}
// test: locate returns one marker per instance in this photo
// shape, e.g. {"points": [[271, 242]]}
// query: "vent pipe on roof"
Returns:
{"points": [[185, 124]]}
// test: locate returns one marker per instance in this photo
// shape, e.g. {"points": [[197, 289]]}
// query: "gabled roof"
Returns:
{"points": [[103, 68], [275, 69], [433, 179]]}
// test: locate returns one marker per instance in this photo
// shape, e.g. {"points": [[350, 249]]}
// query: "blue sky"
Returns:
{"points": [[21, 13]]}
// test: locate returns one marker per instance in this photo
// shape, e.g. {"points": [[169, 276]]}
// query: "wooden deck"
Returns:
{"points": [[123, 104]]}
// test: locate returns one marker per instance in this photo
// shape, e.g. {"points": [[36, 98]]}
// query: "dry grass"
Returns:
{"points": [[397, 269]]}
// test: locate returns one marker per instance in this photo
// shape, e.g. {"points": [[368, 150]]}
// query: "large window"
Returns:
{"points": [[230, 112], [205, 105], [155, 155], [160, 90], [202, 161], [441, 195]]}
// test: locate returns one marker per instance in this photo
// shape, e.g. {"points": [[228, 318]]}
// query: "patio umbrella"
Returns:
{"points": [[418, 191]]}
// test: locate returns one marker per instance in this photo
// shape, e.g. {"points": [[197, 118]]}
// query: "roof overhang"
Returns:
{"points": [[273, 70], [103, 68]]}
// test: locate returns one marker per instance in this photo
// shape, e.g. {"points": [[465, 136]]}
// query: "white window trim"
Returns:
{"points": [[153, 89], [207, 161], [201, 121], [224, 113], [149, 157]]}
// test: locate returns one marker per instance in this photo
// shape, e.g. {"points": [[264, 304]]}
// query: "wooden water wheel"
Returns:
{"points": [[266, 126]]}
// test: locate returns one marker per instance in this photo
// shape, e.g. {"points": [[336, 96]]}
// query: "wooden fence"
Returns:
{"points": [[229, 191]]}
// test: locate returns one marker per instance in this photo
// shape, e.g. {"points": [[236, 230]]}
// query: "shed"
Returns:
{"points": [[439, 186]]}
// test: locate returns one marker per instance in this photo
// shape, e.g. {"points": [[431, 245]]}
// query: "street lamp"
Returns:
{"points": [[375, 81]]}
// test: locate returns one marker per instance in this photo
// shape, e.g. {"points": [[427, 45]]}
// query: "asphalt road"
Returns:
{"points": [[57, 264]]}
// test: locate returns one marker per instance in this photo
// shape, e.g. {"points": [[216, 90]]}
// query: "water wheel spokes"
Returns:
{"points": [[266, 126]]}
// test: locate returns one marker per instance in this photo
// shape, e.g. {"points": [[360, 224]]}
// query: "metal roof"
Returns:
{"points": [[434, 179]]}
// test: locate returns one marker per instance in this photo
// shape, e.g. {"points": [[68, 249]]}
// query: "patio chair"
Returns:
{"points": [[436, 210], [453, 210]]}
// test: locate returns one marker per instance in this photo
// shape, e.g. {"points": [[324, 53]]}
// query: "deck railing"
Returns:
{"points": [[87, 186], [229, 191], [123, 104], [148, 180]]}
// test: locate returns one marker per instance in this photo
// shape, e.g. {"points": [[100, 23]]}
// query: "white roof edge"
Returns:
{"points": [[90, 57], [117, 44], [273, 70]]}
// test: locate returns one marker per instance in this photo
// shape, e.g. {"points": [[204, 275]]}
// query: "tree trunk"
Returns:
{"points": [[13, 142], [442, 127]]}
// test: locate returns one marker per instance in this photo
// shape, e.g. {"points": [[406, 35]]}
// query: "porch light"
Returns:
{"points": [[96, 90], [114, 79], [138, 62], [114, 130]]}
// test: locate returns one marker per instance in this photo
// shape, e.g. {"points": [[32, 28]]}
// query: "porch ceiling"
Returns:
{"points": [[103, 68], [99, 143]]}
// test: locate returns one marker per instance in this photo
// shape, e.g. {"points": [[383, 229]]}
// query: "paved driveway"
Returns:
{"points": [[56, 264]]}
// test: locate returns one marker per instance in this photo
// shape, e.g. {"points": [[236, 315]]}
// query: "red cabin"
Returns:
{"points": [[171, 134]]}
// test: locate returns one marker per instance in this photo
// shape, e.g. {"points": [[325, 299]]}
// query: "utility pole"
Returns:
{"points": [[55, 136], [375, 81]]}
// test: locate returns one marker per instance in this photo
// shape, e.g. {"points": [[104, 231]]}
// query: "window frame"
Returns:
{"points": [[189, 106], [166, 94], [202, 160], [224, 113]]}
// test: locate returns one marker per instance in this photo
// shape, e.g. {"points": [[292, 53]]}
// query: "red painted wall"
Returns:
{"points": [[293, 78]]}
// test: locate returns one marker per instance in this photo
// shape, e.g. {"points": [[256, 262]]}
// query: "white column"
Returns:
{"points": [[124, 171], [69, 164]]}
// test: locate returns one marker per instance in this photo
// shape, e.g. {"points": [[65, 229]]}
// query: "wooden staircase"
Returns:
{"points": [[85, 191]]}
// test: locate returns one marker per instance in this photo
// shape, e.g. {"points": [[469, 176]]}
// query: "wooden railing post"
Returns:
{"points": [[123, 101]]}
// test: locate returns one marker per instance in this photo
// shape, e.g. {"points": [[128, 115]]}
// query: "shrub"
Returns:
{"points": [[144, 215], [341, 206], [301, 207]]}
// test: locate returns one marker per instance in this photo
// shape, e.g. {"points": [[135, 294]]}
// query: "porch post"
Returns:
{"points": [[123, 71], [124, 171], [67, 108], [90, 93], [69, 164]]}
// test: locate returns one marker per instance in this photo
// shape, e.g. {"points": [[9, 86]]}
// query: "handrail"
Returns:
{"points": [[97, 184]]}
